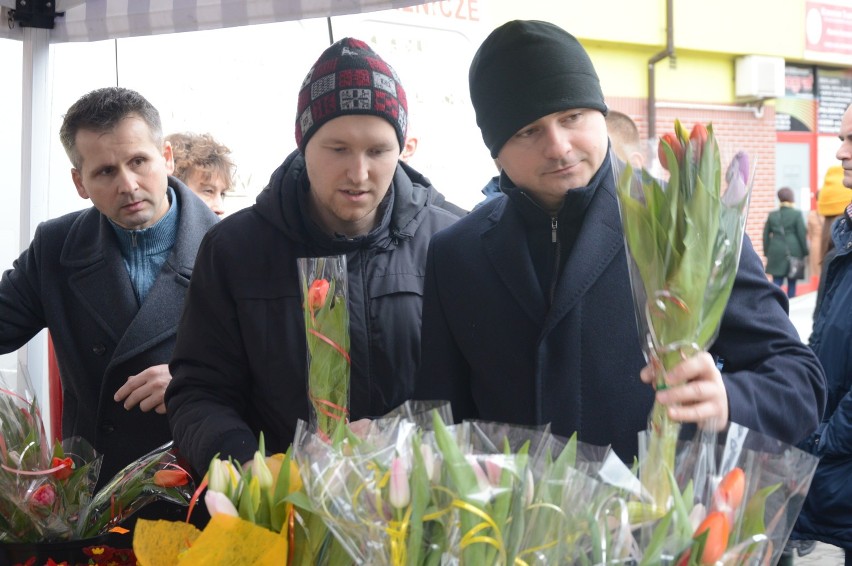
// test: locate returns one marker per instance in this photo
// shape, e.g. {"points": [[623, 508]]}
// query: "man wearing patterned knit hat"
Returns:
{"points": [[240, 363], [528, 315]]}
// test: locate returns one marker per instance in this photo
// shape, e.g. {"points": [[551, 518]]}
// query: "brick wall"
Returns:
{"points": [[736, 129]]}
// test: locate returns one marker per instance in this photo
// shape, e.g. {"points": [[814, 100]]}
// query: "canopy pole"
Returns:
{"points": [[35, 151], [330, 31]]}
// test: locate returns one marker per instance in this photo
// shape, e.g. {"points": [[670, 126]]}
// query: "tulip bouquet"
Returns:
{"points": [[376, 491], [733, 502], [47, 493], [684, 238], [255, 519], [324, 292]]}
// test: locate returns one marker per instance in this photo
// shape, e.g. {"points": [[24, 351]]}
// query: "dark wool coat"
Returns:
{"points": [[73, 281], [491, 346], [827, 512], [240, 363], [784, 230]]}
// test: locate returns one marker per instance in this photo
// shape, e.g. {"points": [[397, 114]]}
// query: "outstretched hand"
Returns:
{"points": [[695, 392], [146, 389]]}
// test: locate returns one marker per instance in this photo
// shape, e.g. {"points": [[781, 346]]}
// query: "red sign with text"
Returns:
{"points": [[828, 28]]}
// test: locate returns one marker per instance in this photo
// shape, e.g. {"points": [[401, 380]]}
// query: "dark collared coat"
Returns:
{"points": [[73, 281], [492, 347]]}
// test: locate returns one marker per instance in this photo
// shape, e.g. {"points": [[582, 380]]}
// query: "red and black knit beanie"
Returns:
{"points": [[350, 78]]}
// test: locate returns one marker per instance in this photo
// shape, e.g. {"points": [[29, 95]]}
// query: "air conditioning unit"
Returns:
{"points": [[759, 76]]}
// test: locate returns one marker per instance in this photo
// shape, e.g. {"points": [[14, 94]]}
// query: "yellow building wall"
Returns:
{"points": [[622, 35]]}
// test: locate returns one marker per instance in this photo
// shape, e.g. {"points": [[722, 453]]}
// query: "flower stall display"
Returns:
{"points": [[412, 489], [47, 490]]}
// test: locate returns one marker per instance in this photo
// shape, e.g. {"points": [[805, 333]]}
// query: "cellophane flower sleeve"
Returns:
{"points": [[735, 499], [324, 285], [374, 492], [683, 236], [43, 489], [158, 475]]}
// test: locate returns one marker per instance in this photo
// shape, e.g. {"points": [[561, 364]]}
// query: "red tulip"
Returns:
{"points": [[317, 293], [698, 138], [170, 478], [66, 470], [674, 144], [718, 528]]}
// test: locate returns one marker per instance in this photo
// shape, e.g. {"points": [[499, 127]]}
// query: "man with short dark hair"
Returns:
{"points": [[109, 281]]}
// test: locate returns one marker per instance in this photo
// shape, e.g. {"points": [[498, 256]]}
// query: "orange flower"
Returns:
{"points": [[317, 293], [66, 470], [676, 147], [729, 494], [698, 137], [170, 478], [718, 528]]}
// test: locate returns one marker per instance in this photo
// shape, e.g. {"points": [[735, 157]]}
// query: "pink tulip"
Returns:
{"points": [[485, 490], [400, 493], [44, 496], [494, 471]]}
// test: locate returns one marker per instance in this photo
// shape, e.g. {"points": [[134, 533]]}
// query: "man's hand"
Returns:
{"points": [[695, 392], [146, 389]]}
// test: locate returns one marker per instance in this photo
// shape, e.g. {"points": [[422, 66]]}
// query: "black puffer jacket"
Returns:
{"points": [[239, 366]]}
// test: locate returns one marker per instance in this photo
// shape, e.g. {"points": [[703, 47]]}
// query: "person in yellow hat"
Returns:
{"points": [[832, 200]]}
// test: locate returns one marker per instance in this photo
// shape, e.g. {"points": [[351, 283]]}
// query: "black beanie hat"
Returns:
{"points": [[350, 78], [525, 70]]}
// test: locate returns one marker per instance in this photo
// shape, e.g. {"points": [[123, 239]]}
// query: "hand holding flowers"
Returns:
{"points": [[683, 239]]}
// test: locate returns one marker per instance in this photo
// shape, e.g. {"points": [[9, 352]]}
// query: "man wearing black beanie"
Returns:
{"points": [[528, 315]]}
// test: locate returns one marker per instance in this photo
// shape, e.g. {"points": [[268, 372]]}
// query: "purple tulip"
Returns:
{"points": [[737, 178]]}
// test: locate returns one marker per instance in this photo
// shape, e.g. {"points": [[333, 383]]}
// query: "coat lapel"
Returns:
{"points": [[506, 247], [158, 317], [100, 280], [599, 242]]}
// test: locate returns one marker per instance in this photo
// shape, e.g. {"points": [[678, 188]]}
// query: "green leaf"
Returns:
{"points": [[753, 522]]}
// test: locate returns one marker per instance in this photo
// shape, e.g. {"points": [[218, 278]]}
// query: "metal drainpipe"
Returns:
{"points": [[667, 52]]}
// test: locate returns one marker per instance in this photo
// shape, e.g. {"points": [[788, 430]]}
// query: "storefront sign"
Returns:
{"points": [[834, 91]]}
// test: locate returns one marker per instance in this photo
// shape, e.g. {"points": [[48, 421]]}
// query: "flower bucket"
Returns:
{"points": [[95, 550]]}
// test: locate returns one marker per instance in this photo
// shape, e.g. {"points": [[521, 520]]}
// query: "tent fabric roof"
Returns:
{"points": [[93, 20]]}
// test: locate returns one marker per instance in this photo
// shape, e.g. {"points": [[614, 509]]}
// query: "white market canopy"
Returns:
{"points": [[95, 20]]}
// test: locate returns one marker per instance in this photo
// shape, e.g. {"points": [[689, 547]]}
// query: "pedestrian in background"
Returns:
{"points": [[832, 200], [785, 242], [205, 166]]}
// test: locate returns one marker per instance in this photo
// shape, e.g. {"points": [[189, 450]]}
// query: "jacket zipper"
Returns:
{"points": [[554, 239]]}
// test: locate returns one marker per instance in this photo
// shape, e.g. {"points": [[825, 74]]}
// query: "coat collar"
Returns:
{"points": [[99, 278], [599, 242]]}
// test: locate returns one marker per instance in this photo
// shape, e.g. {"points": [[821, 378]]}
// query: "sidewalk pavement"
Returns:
{"points": [[801, 314]]}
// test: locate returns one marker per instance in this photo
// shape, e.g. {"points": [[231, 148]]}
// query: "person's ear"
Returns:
{"points": [[409, 148], [77, 177], [168, 155]]}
